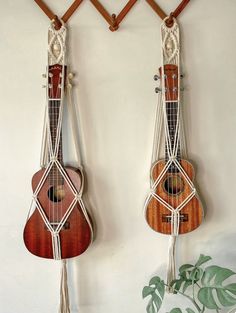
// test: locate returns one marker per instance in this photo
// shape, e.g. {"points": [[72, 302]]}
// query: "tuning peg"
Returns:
{"points": [[71, 75], [69, 86], [157, 90], [156, 77], [44, 75]]}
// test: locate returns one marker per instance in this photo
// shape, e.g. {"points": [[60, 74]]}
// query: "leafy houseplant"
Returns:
{"points": [[205, 287]]}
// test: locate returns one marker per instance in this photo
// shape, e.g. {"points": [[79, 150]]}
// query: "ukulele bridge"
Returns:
{"points": [[55, 224], [166, 218]]}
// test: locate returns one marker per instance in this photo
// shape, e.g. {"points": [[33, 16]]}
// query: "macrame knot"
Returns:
{"points": [[152, 191], [53, 159], [78, 197]]}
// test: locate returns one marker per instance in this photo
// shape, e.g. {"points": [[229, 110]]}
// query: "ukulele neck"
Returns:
{"points": [[56, 81], [172, 144], [54, 106], [169, 75]]}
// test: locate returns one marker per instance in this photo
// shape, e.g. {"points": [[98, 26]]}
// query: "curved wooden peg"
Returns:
{"points": [[56, 22], [54, 18]]}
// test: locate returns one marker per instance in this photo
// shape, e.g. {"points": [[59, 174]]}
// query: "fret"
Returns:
{"points": [[171, 109], [54, 105]]}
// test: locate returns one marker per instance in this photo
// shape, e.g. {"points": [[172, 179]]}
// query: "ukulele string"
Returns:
{"points": [[179, 135], [50, 79], [174, 135], [57, 149], [169, 125], [54, 147], [62, 81]]}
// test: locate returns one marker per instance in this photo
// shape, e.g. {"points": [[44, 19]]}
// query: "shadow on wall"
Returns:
{"points": [[222, 249]]}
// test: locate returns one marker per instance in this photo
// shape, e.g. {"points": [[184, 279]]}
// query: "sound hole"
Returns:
{"points": [[173, 185], [56, 193]]}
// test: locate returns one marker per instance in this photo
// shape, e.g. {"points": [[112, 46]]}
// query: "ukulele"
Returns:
{"points": [[174, 195], [61, 221]]}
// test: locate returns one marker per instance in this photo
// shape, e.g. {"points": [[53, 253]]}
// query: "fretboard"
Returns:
{"points": [[172, 117], [53, 113]]}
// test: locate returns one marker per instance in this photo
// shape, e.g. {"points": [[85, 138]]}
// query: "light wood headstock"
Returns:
{"points": [[171, 79]]}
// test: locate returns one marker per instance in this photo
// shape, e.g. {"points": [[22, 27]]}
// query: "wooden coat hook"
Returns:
{"points": [[113, 20], [161, 13], [53, 17]]}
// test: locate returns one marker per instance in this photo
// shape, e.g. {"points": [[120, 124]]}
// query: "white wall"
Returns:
{"points": [[116, 100]]}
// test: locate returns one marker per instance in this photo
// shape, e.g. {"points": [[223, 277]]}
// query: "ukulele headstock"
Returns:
{"points": [[170, 82], [56, 81]]}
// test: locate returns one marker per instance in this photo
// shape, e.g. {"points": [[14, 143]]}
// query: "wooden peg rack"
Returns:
{"points": [[113, 20]]}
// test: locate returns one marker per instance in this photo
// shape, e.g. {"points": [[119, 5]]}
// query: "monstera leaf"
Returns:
{"points": [[177, 310], [213, 291], [189, 274], [156, 290]]}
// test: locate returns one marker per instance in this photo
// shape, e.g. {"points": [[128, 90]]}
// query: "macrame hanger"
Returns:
{"points": [[57, 34], [170, 31]]}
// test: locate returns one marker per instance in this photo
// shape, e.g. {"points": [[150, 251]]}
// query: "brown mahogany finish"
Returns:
{"points": [[75, 237], [55, 196], [173, 187], [156, 211]]}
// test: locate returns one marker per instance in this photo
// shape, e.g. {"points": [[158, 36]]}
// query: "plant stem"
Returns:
{"points": [[191, 299], [203, 309]]}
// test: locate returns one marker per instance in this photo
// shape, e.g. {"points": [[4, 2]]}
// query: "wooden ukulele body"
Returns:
{"points": [[158, 216], [75, 236]]}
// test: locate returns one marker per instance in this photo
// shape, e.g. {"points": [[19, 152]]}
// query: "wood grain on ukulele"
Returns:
{"points": [[56, 196], [173, 188]]}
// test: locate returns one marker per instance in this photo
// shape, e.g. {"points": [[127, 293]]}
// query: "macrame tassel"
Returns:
{"points": [[64, 300], [171, 271]]}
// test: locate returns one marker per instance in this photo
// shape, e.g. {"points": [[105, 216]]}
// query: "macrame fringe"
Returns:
{"points": [[64, 294], [171, 269]]}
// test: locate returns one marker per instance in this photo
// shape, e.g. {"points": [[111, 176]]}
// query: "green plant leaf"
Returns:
{"points": [[212, 280], [205, 296], [150, 307], [225, 298], [222, 275], [185, 267], [189, 310], [154, 280], [231, 288], [147, 291], [156, 291], [186, 285], [176, 310], [177, 285], [202, 259], [156, 300], [159, 284]]}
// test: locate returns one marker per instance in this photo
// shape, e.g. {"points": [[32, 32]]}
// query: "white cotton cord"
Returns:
{"points": [[171, 269], [56, 245], [157, 130], [44, 144], [64, 294], [169, 36], [72, 112], [183, 146], [49, 154]]}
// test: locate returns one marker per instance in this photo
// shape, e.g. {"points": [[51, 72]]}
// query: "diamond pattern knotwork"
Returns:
{"points": [[173, 183]]}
